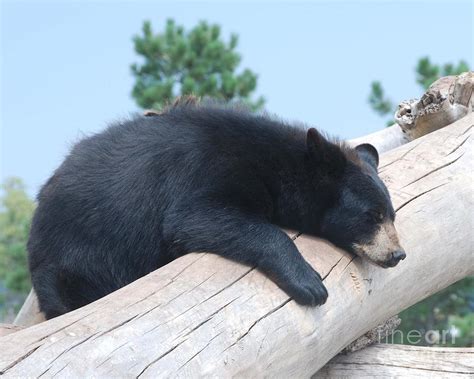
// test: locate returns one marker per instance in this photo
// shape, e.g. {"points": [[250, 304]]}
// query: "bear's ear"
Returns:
{"points": [[368, 154], [324, 154]]}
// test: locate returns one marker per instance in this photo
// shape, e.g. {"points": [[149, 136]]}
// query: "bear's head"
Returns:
{"points": [[359, 217]]}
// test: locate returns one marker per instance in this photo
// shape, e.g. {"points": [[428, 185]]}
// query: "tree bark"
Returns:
{"points": [[202, 315], [401, 361]]}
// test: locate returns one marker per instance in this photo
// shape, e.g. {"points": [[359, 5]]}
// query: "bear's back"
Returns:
{"points": [[136, 170]]}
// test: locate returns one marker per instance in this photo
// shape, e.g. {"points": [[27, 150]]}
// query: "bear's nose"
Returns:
{"points": [[398, 255]]}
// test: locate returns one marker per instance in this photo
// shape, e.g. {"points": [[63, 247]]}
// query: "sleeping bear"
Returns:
{"points": [[202, 177]]}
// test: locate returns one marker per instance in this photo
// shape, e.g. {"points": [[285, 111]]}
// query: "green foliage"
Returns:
{"points": [[378, 101], [16, 210], [465, 327], [426, 74], [448, 312], [196, 62]]}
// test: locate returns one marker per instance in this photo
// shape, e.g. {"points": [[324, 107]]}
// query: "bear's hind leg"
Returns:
{"points": [[46, 285]]}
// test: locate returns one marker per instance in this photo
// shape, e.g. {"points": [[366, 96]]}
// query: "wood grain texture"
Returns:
{"points": [[389, 361], [8, 329], [202, 315]]}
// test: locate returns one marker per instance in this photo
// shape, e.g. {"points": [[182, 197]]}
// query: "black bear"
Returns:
{"points": [[203, 177]]}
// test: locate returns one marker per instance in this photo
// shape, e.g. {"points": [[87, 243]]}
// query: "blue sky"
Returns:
{"points": [[65, 65]]}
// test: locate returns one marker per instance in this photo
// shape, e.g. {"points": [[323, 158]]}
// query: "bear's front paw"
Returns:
{"points": [[307, 287]]}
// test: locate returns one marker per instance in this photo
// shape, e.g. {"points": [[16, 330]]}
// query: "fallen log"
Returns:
{"points": [[203, 315], [401, 361]]}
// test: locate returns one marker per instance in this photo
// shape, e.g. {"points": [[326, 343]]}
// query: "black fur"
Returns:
{"points": [[196, 178]]}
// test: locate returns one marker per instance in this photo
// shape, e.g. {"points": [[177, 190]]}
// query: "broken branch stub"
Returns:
{"points": [[446, 100]]}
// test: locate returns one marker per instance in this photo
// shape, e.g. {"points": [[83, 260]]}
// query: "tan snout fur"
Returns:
{"points": [[384, 243]]}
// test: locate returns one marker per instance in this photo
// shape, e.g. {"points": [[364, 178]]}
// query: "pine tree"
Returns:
{"points": [[198, 62], [427, 73]]}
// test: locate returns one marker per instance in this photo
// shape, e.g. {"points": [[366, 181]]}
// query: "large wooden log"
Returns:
{"points": [[389, 361], [204, 315]]}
